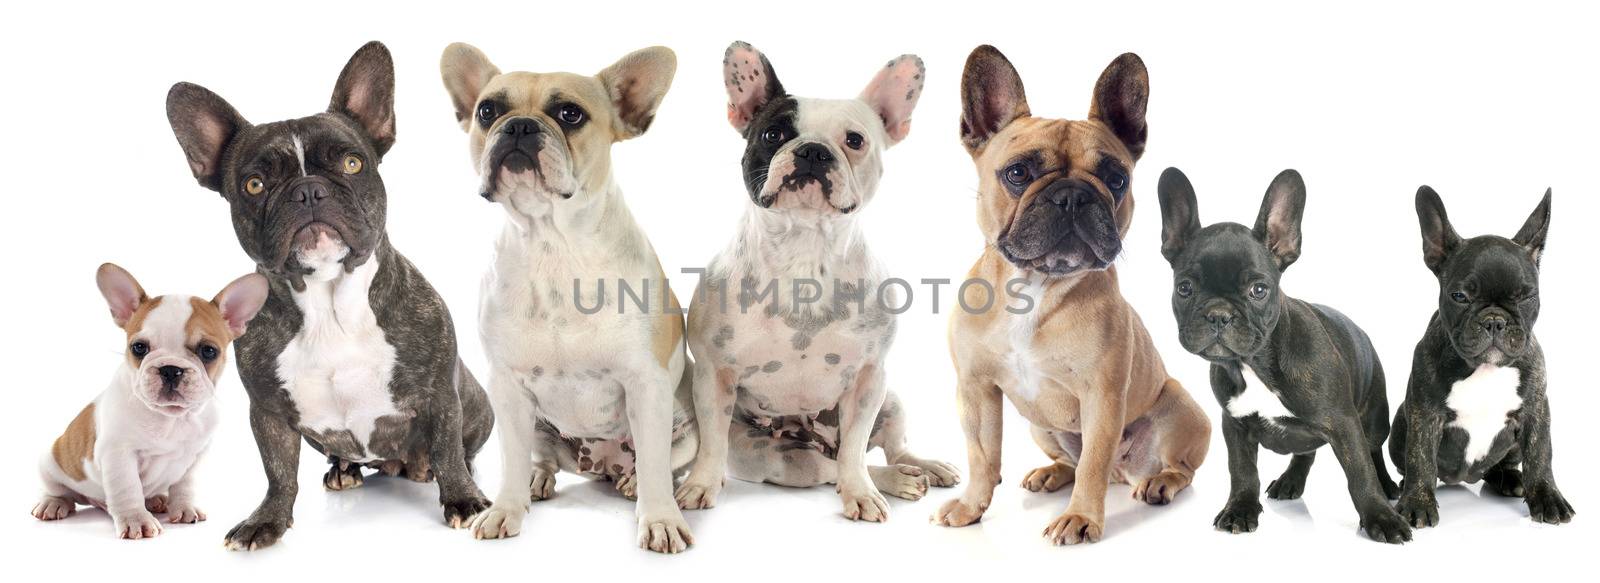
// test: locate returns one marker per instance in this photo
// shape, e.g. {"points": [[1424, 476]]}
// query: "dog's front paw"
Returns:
{"points": [[254, 534], [543, 485], [666, 532], [1505, 482], [184, 513], [1073, 528], [459, 513], [137, 524], [499, 521], [1418, 510], [1382, 524], [864, 504], [698, 494], [1049, 478], [1238, 516], [54, 508], [1547, 505], [958, 512]]}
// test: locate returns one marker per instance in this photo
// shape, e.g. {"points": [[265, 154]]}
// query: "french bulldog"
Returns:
{"points": [[790, 384], [1290, 375], [1055, 202], [582, 381], [133, 450], [353, 351], [1475, 406]]}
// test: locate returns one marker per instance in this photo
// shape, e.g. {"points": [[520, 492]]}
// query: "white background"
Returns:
{"points": [[1489, 104]]}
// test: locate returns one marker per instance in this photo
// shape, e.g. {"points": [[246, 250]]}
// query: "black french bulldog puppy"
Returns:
{"points": [[1290, 375], [353, 351], [1475, 407]]}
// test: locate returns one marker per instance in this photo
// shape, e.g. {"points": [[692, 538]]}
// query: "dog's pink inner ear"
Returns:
{"points": [[750, 82], [466, 72], [122, 293], [894, 92], [240, 301], [365, 92], [637, 83]]}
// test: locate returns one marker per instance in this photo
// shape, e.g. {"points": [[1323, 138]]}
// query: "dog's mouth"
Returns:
{"points": [[803, 190], [1061, 238], [1068, 253]]}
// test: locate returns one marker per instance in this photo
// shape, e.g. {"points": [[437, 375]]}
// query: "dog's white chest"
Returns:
{"points": [[1481, 403], [1257, 399], [337, 369], [1026, 374]]}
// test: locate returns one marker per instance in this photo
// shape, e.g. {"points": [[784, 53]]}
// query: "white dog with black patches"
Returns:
{"points": [[788, 329], [581, 380]]}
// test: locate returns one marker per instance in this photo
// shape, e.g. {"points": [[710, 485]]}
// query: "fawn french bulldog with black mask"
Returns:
{"points": [[1476, 407], [354, 351]]}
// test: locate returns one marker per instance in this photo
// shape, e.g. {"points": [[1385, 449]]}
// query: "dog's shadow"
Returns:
{"points": [[1123, 512]]}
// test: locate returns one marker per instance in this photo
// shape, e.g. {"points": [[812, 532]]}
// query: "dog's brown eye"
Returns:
{"points": [[570, 115], [352, 164], [139, 349], [208, 352], [254, 186], [854, 140], [1185, 288], [773, 135], [1116, 182], [1258, 291], [1018, 174]]}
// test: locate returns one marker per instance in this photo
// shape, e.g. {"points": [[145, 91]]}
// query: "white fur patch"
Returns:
{"points": [[1481, 402], [1257, 399], [1022, 362], [299, 153], [337, 369]]}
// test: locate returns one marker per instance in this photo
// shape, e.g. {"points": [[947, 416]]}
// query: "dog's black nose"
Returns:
{"points": [[1494, 324], [1219, 317], [520, 127], [814, 152], [309, 193], [1071, 195], [170, 375]]}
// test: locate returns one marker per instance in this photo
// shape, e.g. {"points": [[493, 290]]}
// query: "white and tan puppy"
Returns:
{"points": [[580, 380], [789, 379], [134, 449]]}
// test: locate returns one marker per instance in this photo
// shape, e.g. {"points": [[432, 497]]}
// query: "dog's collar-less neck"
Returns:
{"points": [[781, 246]]}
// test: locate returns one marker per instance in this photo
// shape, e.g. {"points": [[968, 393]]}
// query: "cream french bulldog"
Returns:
{"points": [[580, 381]]}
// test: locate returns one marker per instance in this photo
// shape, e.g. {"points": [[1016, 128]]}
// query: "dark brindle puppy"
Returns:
{"points": [[1475, 408]]}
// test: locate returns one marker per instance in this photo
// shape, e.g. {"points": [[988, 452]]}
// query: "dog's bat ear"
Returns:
{"points": [[240, 301], [365, 94], [1439, 239], [1180, 213], [205, 124], [466, 71], [1531, 236], [751, 83], [991, 97], [1278, 224], [1120, 97], [637, 83], [123, 293], [894, 92]]}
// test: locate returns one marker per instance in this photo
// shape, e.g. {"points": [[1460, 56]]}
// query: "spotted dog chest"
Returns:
{"points": [[799, 363], [1482, 404], [336, 370]]}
